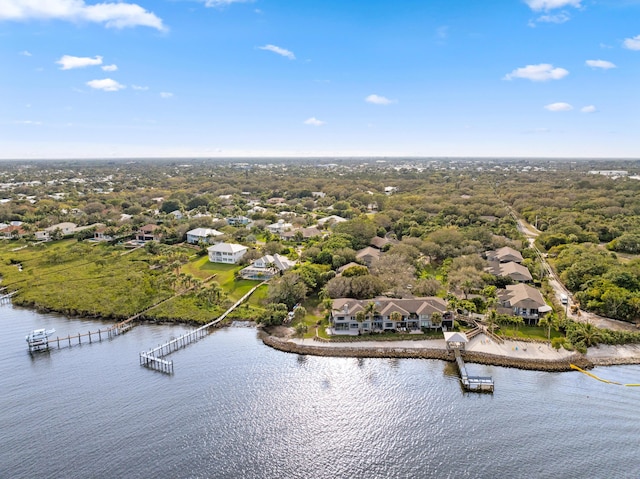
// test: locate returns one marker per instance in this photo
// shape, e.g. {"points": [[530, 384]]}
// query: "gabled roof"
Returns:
{"points": [[393, 307], [504, 254], [368, 251], [385, 306], [513, 269], [519, 293], [455, 337], [379, 242]]}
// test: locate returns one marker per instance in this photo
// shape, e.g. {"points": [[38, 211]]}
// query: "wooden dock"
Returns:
{"points": [[155, 358], [5, 298], [472, 383], [91, 337]]}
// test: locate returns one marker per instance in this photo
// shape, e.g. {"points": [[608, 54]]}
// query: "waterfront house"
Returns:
{"points": [[523, 300], [390, 314], [206, 235], [267, 267], [229, 253]]}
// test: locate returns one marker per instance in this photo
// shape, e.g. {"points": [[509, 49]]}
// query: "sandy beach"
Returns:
{"points": [[480, 349]]}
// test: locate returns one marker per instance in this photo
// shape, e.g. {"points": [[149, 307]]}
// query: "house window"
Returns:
{"points": [[353, 325], [388, 325]]}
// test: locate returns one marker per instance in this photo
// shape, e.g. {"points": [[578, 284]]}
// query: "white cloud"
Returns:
{"points": [[605, 65], [280, 51], [165, 94], [27, 122], [378, 100], [560, 106], [106, 84], [561, 17], [632, 43], [546, 5], [541, 72], [25, 53], [110, 68], [442, 32], [112, 15], [139, 88], [313, 121], [69, 62], [223, 3], [588, 109]]}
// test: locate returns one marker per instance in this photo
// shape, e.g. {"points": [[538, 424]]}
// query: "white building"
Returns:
{"points": [[267, 267], [207, 235], [229, 253], [280, 227]]}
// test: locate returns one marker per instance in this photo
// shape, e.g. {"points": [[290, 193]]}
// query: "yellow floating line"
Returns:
{"points": [[573, 366]]}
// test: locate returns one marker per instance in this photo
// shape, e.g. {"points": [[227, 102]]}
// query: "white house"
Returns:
{"points": [[267, 267], [229, 253], [65, 229], [279, 227], [202, 234], [333, 219]]}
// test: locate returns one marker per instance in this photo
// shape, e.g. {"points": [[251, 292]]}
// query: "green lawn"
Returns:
{"points": [[528, 332]]}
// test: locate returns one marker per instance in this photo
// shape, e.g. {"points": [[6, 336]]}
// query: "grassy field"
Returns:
{"points": [[99, 280]]}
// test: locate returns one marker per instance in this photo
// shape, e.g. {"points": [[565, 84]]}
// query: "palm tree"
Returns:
{"points": [[436, 319], [395, 316], [370, 311], [360, 317], [492, 319]]}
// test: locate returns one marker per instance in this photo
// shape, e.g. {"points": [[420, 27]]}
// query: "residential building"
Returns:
{"points": [[304, 233], [64, 228], [513, 270], [414, 315], [523, 300], [148, 233], [279, 227], [331, 220], [504, 255], [206, 235], [368, 255], [229, 253], [238, 221], [267, 267]]}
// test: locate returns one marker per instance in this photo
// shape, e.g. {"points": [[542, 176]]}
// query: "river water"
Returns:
{"points": [[237, 409]]}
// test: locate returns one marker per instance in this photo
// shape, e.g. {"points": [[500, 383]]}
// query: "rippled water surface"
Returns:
{"points": [[235, 408]]}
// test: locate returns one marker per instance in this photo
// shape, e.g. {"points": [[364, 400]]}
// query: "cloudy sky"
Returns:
{"points": [[530, 78]]}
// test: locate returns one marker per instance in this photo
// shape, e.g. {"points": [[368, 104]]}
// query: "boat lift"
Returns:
{"points": [[38, 339]]}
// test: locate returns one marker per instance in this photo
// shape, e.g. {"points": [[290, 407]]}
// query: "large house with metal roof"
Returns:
{"points": [[229, 253]]}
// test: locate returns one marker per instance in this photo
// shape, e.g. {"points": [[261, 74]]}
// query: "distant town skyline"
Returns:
{"points": [[242, 78]]}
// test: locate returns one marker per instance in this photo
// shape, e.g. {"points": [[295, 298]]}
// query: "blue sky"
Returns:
{"points": [[217, 78]]}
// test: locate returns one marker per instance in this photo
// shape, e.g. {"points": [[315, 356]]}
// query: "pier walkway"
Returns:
{"points": [[472, 383], [155, 358]]}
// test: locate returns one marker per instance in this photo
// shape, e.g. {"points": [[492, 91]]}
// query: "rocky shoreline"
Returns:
{"points": [[551, 365]]}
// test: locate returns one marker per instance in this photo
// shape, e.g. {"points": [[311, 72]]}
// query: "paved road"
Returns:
{"points": [[581, 316]]}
